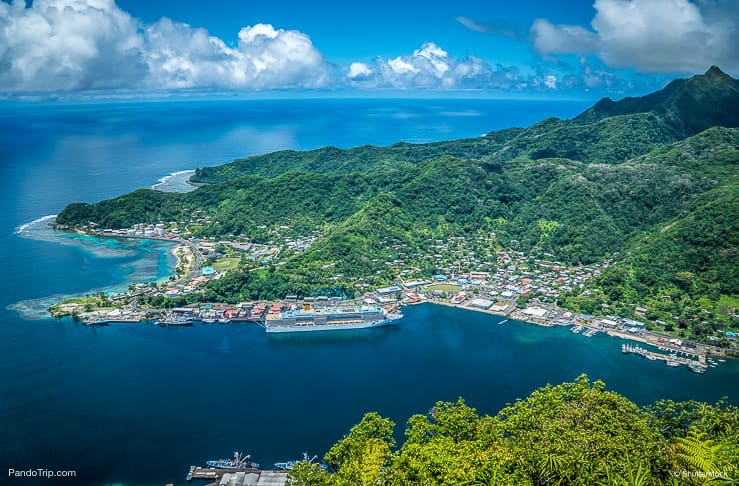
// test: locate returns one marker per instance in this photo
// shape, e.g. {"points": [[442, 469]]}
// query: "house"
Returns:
{"points": [[535, 312], [384, 291], [500, 307], [481, 303]]}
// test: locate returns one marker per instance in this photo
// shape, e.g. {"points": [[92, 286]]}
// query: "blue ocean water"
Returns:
{"points": [[137, 404]]}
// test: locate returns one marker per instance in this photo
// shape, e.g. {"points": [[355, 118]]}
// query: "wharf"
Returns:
{"points": [[246, 477], [669, 359]]}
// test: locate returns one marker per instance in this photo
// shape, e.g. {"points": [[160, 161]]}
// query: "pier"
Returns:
{"points": [[697, 366], [246, 477]]}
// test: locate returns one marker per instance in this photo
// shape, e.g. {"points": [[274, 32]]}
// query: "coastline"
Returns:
{"points": [[555, 317], [178, 181], [651, 340]]}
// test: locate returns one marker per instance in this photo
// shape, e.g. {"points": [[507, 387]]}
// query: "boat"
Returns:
{"points": [[672, 363], [238, 463], [175, 321], [330, 319], [289, 465], [98, 321], [696, 368]]}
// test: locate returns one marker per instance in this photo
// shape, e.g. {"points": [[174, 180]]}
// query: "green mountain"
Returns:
{"points": [[649, 182], [608, 132], [687, 106]]}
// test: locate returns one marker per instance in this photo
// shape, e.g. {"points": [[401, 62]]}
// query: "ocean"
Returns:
{"points": [[137, 404]]}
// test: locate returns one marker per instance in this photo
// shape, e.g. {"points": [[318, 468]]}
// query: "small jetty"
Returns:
{"points": [[247, 477], [577, 328], [672, 360]]}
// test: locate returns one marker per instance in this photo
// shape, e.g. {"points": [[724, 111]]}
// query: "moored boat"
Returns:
{"points": [[172, 320], [238, 463], [330, 319], [696, 367]]}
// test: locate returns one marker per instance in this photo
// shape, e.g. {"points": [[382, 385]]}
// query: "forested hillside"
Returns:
{"points": [[573, 433], [619, 181]]}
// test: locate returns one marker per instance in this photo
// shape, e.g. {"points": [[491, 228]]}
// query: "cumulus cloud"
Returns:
{"points": [[550, 81], [359, 70], [69, 44], [92, 44], [430, 66], [550, 38], [659, 36]]}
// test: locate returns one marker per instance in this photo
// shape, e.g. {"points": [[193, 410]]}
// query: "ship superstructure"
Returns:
{"points": [[309, 318]]}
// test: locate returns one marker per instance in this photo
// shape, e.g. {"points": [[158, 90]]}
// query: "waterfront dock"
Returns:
{"points": [[696, 365], [247, 477]]}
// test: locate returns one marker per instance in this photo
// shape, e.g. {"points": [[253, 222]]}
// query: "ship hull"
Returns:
{"points": [[276, 328]]}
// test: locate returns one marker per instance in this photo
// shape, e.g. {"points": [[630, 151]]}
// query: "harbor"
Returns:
{"points": [[275, 317], [674, 359], [324, 313]]}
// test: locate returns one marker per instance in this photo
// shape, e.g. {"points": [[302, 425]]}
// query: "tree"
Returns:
{"points": [[372, 432]]}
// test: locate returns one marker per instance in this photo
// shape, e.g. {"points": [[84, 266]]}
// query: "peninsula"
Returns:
{"points": [[623, 218]]}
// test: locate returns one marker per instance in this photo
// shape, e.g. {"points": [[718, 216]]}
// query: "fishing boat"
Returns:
{"points": [[696, 368], [238, 463], [289, 465]]}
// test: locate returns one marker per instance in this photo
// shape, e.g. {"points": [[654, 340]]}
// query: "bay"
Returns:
{"points": [[137, 404]]}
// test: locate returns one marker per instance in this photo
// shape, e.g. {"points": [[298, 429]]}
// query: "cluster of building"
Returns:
{"points": [[517, 276]]}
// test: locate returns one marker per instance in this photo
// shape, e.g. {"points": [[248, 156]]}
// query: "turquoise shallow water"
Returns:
{"points": [[137, 404]]}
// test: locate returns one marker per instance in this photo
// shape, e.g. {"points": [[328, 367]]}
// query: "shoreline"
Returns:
{"points": [[178, 181], [514, 313], [610, 332]]}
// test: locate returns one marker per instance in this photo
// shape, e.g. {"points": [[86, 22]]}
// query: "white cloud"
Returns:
{"points": [[359, 70], [92, 44], [659, 36], [550, 81], [550, 38], [399, 66], [68, 44], [430, 66]]}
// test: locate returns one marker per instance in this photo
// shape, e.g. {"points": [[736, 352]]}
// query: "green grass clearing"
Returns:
{"points": [[226, 263]]}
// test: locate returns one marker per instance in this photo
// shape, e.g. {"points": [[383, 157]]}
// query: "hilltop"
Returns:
{"points": [[649, 183]]}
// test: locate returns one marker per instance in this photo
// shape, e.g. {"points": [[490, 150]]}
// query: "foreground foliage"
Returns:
{"points": [[573, 433]]}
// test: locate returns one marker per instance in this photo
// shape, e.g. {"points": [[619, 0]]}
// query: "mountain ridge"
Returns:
{"points": [[690, 105], [581, 191]]}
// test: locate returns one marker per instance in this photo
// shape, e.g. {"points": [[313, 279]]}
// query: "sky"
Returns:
{"points": [[515, 48]]}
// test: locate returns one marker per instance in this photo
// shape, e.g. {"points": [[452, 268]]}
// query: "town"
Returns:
{"points": [[471, 273]]}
